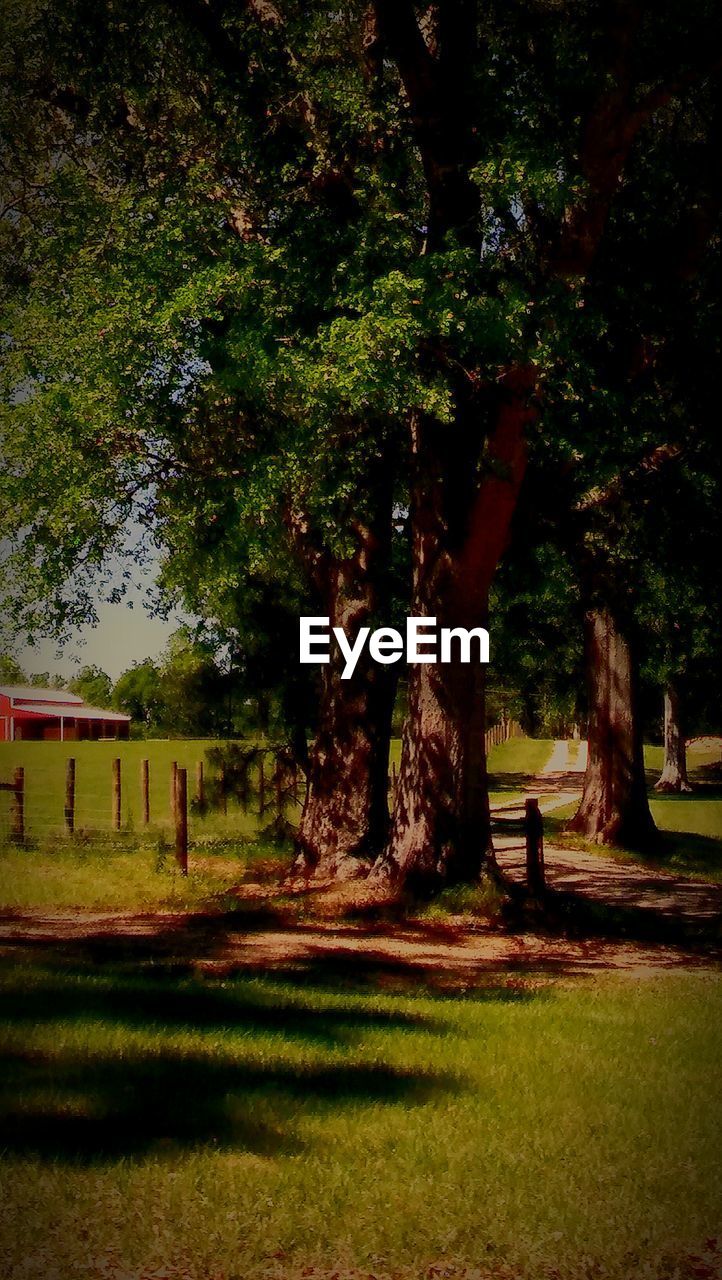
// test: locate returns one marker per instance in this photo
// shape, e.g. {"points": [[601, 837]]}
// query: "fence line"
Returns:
{"points": [[263, 781]]}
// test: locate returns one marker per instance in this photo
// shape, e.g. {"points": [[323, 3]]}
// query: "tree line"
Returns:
{"points": [[375, 309], [188, 691]]}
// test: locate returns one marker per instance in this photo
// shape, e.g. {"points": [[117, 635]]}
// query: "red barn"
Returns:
{"points": [[54, 715]]}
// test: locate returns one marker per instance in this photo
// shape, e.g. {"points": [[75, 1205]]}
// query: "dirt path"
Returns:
{"points": [[564, 760], [450, 954], [598, 877]]}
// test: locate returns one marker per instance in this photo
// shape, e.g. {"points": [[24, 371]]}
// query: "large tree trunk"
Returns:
{"points": [[464, 496], [614, 807], [345, 819], [674, 773], [440, 829]]}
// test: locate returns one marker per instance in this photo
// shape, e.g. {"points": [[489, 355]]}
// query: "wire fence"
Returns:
{"points": [[234, 791], [237, 790]]}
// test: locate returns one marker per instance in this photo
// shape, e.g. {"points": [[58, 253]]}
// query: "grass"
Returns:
{"points": [[135, 869], [44, 764], [691, 836], [523, 756], [159, 1124], [92, 876], [156, 1125], [690, 824]]}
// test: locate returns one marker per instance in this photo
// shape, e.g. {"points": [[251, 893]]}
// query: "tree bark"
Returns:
{"points": [[614, 808], [468, 475], [674, 772], [344, 822], [440, 828]]}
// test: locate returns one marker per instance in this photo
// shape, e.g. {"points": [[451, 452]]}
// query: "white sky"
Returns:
{"points": [[124, 635]]}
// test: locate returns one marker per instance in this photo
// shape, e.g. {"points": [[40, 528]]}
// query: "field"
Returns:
{"points": [[167, 1117], [162, 1126], [136, 869], [44, 764]]}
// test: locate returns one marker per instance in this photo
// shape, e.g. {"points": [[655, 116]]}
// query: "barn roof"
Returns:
{"points": [[29, 693], [70, 712]]}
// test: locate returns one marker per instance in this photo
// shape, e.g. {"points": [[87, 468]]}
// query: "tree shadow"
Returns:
{"points": [[94, 1108], [687, 851], [158, 1000], [76, 1103], [511, 782]]}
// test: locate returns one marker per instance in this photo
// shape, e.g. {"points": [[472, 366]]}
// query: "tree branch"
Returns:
{"points": [[435, 89]]}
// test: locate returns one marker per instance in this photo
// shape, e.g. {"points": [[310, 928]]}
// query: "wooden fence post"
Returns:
{"points": [[117, 795], [70, 796], [534, 848], [200, 786], [173, 788], [145, 791], [181, 821], [17, 817], [261, 785]]}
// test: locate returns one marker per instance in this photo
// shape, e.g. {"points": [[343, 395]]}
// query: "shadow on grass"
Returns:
{"points": [[686, 851], [159, 1001], [675, 852], [511, 782], [92, 1108], [76, 1103]]}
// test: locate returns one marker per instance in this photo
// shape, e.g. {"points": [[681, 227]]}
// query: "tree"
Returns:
{"points": [[10, 670], [193, 691], [281, 238], [674, 773], [137, 693], [209, 284], [538, 220], [93, 685]]}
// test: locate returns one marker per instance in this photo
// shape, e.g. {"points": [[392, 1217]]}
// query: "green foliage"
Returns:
{"points": [[136, 692], [93, 685], [10, 670], [217, 315]]}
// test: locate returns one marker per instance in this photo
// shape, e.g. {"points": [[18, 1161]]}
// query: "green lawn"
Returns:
{"points": [[135, 870], [690, 824], [253, 1127], [44, 764], [109, 878], [523, 756]]}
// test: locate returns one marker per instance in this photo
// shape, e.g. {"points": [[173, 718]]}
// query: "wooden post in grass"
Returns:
{"points": [[145, 791], [261, 784], [116, 795], [70, 795], [222, 786], [200, 787], [534, 848], [17, 814], [181, 821], [173, 789]]}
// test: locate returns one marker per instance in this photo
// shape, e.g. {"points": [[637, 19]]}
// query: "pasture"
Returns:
{"points": [[172, 1110], [157, 1125], [135, 868]]}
